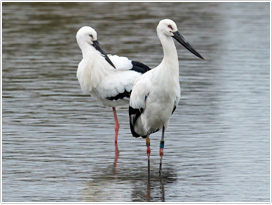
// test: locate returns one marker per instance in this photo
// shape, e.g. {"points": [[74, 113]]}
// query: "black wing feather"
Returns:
{"points": [[134, 114], [120, 96], [139, 67], [174, 108]]}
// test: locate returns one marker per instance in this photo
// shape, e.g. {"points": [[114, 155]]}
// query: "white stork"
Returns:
{"points": [[108, 78], [156, 93]]}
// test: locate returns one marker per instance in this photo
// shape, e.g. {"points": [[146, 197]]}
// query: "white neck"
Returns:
{"points": [[92, 69], [87, 50], [170, 56]]}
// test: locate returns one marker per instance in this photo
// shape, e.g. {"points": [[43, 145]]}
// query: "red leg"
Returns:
{"points": [[116, 159], [161, 155], [148, 150], [116, 124]]}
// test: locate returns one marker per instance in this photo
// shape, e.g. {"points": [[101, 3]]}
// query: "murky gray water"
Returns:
{"points": [[58, 145]]}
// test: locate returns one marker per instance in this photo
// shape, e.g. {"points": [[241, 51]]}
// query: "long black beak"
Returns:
{"points": [[187, 45], [97, 47]]}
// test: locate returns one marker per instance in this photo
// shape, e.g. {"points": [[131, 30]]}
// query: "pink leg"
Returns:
{"points": [[116, 124], [116, 158], [148, 150]]}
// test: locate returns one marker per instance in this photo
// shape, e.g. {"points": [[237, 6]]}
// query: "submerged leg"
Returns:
{"points": [[161, 150], [115, 169], [116, 124], [148, 154]]}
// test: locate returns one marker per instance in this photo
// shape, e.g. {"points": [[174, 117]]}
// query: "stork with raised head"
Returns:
{"points": [[156, 93], [108, 78]]}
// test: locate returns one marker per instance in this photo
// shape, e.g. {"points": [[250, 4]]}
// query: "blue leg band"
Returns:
{"points": [[162, 144]]}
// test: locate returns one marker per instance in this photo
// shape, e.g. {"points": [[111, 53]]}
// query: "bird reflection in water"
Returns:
{"points": [[122, 182], [162, 191], [148, 190], [155, 185]]}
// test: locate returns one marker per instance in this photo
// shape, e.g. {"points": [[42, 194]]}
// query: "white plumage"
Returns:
{"points": [[108, 78], [156, 93]]}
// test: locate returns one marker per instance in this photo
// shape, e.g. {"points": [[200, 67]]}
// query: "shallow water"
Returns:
{"points": [[58, 144]]}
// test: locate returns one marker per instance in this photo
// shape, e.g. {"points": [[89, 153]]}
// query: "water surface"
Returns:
{"points": [[58, 144]]}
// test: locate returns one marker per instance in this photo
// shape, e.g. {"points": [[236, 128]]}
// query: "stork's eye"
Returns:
{"points": [[91, 36], [170, 27]]}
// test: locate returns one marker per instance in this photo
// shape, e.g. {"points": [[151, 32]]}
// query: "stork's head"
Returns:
{"points": [[169, 28], [86, 35]]}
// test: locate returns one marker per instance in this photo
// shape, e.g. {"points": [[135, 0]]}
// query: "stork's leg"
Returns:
{"points": [[116, 159], [148, 154], [116, 124], [161, 150]]}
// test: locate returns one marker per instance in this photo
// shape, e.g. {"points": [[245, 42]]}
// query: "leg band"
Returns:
{"points": [[148, 142], [162, 144]]}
